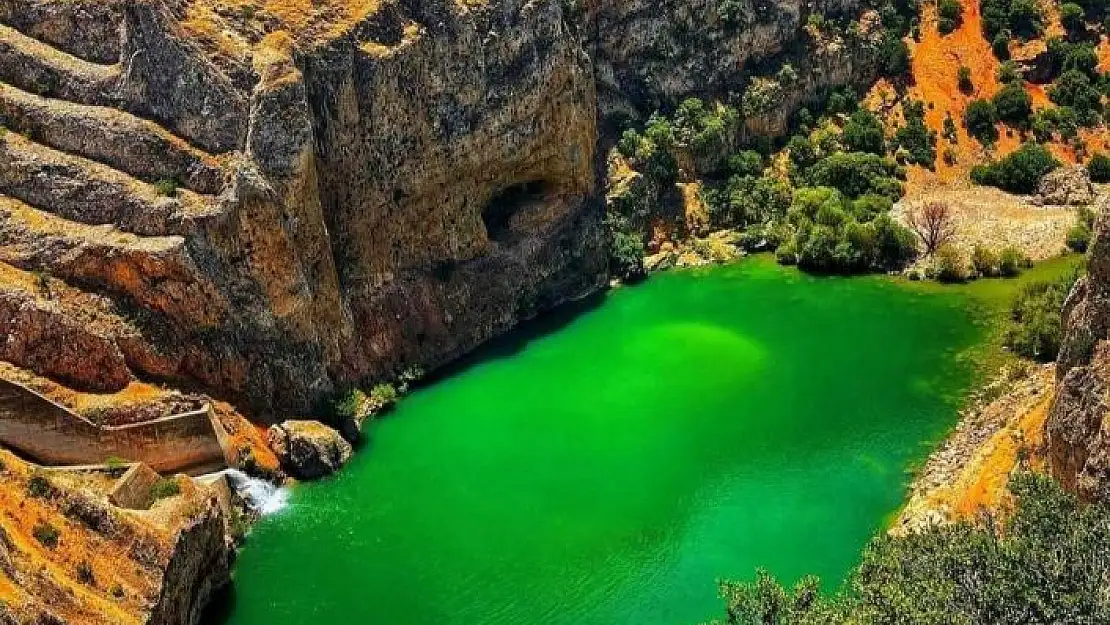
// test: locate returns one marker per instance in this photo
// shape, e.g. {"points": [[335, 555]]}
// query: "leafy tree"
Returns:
{"points": [[1074, 89], [916, 138], [1026, 18], [1008, 72], [894, 57], [980, 119], [842, 101], [1099, 168], [1013, 105], [746, 200], [1036, 326], [1048, 562], [1072, 19], [626, 255], [1019, 172], [762, 96], [708, 130], [949, 15], [802, 152], [857, 173], [864, 133], [746, 163]]}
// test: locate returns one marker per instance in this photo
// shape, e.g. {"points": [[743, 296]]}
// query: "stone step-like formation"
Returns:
{"points": [[45, 70], [120, 140], [92, 193], [154, 272], [89, 29]]}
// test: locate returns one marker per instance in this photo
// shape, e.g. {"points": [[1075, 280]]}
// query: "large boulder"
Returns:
{"points": [[308, 450], [1066, 186]]}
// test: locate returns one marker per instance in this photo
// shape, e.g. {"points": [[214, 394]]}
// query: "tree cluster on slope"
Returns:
{"points": [[1048, 563]]}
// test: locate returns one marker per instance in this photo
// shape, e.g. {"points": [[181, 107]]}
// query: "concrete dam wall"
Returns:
{"points": [[50, 434]]}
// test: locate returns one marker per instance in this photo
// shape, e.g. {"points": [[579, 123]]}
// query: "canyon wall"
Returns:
{"points": [[269, 204], [1078, 428]]}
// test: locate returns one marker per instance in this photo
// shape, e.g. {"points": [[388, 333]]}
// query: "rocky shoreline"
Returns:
{"points": [[968, 472]]}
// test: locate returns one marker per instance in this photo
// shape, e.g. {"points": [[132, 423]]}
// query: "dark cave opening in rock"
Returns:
{"points": [[499, 211]]}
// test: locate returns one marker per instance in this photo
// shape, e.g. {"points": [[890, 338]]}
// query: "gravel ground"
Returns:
{"points": [[989, 217]]}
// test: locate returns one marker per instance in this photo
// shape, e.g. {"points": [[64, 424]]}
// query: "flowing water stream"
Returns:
{"points": [[607, 465]]}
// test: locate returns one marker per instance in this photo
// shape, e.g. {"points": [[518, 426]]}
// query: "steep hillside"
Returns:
{"points": [[270, 201]]}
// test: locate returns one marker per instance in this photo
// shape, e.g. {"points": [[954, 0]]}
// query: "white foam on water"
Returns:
{"points": [[262, 496]]}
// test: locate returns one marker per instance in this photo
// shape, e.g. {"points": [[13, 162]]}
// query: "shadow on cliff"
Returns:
{"points": [[221, 607], [513, 342]]}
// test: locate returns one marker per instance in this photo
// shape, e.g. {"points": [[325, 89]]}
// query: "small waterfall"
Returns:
{"points": [[262, 496]]}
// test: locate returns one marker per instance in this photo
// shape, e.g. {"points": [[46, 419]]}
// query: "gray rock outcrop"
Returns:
{"points": [[308, 450], [1078, 427], [1066, 186]]}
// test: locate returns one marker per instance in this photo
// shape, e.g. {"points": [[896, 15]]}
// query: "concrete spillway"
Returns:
{"points": [[48, 433]]}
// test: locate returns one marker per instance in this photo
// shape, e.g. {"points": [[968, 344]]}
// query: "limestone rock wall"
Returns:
{"points": [[365, 188], [1078, 428], [650, 55]]}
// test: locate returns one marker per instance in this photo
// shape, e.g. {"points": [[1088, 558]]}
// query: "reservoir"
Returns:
{"points": [[608, 464]]}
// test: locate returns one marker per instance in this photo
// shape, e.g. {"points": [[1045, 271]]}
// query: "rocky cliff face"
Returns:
{"points": [[269, 201], [70, 557], [1078, 428]]}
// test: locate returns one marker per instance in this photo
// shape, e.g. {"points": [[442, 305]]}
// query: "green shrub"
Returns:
{"points": [[1019, 172], [1036, 327], [1026, 18], [115, 463], [984, 261], [626, 255], [1072, 19], [1098, 168], [1013, 105], [963, 80], [167, 188], [385, 393], [949, 265], [1008, 73], [857, 173], [949, 15], [47, 535], [980, 119], [1011, 261], [85, 573], [1075, 90], [165, 488], [864, 133], [40, 488], [1079, 238], [1000, 46]]}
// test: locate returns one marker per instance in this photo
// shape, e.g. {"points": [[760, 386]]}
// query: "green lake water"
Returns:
{"points": [[607, 465]]}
